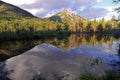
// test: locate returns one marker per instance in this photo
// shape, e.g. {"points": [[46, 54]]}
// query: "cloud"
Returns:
{"points": [[20, 2], [91, 13], [54, 5], [36, 11], [48, 5], [99, 1], [111, 13], [42, 8]]}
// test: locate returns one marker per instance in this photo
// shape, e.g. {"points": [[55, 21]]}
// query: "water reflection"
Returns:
{"points": [[105, 42], [87, 40]]}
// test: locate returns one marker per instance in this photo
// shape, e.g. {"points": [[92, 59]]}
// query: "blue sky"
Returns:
{"points": [[88, 9]]}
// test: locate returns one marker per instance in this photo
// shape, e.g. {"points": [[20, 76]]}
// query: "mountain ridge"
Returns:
{"points": [[65, 15]]}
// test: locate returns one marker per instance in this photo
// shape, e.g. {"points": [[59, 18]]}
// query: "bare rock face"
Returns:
{"points": [[46, 62]]}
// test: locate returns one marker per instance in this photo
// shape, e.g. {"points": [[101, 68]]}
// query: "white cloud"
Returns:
{"points": [[36, 11], [42, 8], [99, 1], [110, 14], [51, 6], [20, 2]]}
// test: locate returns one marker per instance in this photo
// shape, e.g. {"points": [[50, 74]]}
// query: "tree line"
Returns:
{"points": [[19, 27], [96, 26]]}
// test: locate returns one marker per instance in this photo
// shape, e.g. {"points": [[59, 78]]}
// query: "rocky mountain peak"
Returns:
{"points": [[67, 10], [68, 13], [65, 16]]}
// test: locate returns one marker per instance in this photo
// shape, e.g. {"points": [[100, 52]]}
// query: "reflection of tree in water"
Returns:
{"points": [[88, 39], [13, 48]]}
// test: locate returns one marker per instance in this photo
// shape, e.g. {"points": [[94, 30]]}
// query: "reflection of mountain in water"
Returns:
{"points": [[12, 48], [52, 63]]}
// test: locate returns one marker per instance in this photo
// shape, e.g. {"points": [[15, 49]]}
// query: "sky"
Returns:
{"points": [[88, 9]]}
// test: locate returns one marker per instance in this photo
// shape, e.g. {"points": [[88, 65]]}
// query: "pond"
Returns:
{"points": [[96, 49], [94, 44]]}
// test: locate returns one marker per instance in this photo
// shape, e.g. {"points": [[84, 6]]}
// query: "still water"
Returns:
{"points": [[94, 45]]}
